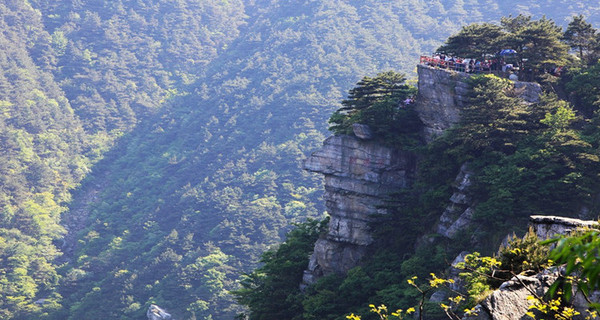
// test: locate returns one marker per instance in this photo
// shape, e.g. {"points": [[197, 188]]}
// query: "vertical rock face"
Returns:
{"points": [[359, 175], [443, 94], [458, 213]]}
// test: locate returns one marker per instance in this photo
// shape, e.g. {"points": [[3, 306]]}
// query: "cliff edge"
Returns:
{"points": [[444, 93], [359, 175]]}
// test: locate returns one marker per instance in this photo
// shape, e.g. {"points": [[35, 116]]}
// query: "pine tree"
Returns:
{"points": [[581, 36], [542, 48], [474, 41], [386, 87]]}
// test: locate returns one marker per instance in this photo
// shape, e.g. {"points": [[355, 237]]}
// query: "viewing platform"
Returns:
{"points": [[473, 66]]}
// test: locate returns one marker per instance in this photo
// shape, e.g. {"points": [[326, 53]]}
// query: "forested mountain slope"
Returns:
{"points": [[118, 60], [70, 86], [221, 166], [207, 108]]}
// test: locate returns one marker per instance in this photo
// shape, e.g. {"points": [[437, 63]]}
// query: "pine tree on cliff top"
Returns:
{"points": [[387, 86]]}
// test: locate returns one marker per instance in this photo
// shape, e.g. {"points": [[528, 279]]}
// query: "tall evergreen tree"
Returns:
{"points": [[540, 40], [493, 119], [474, 41], [386, 87], [581, 36]]}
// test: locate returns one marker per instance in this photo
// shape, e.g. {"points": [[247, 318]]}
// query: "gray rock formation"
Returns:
{"points": [[528, 91], [359, 175], [458, 213], [157, 313], [458, 284], [547, 227], [443, 94], [362, 131], [510, 301]]}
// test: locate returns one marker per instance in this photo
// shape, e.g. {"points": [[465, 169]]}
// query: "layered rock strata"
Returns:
{"points": [[359, 176], [459, 212]]}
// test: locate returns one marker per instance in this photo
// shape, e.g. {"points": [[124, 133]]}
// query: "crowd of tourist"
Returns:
{"points": [[469, 65]]}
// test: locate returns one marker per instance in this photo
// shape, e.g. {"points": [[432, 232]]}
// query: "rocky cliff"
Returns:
{"points": [[459, 212], [359, 175], [443, 93], [442, 96], [546, 227]]}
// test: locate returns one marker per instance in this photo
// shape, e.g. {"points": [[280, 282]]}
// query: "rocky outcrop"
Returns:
{"points": [[359, 176], [157, 313], [510, 301], [362, 131], [546, 227], [458, 213], [443, 94]]}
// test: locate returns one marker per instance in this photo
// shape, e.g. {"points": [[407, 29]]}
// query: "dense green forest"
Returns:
{"points": [[151, 149]]}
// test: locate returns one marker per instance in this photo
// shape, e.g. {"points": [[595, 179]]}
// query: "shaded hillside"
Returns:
{"points": [[70, 86], [42, 155]]}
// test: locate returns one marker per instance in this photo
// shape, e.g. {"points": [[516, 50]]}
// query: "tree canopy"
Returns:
{"points": [[581, 36], [475, 41], [379, 102], [538, 43]]}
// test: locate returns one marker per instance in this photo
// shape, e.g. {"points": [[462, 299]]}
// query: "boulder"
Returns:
{"points": [[362, 131], [547, 227], [157, 313], [510, 301]]}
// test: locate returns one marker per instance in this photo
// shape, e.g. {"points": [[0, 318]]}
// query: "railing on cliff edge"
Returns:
{"points": [[460, 66], [495, 68]]}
